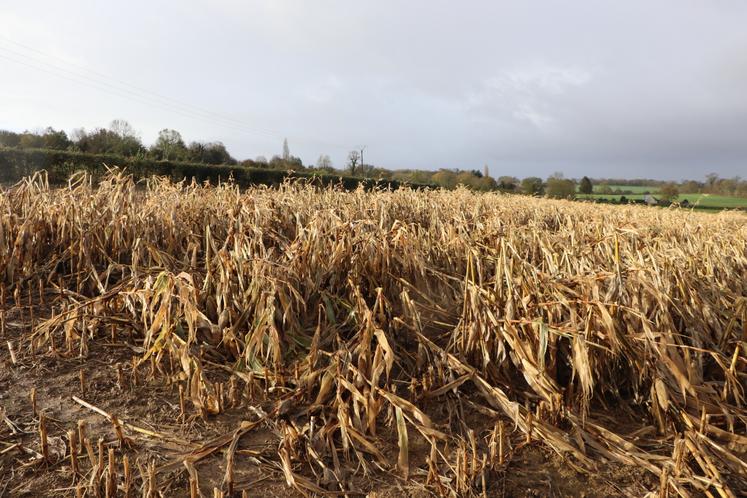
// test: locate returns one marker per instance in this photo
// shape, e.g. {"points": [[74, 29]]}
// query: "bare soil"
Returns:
{"points": [[149, 400]]}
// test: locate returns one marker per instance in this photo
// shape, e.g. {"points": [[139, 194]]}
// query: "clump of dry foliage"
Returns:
{"points": [[357, 324]]}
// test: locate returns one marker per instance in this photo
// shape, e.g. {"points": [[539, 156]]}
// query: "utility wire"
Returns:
{"points": [[102, 82], [137, 89], [111, 90]]}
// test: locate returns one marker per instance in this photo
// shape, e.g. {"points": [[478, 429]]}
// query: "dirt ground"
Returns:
{"points": [[147, 405]]}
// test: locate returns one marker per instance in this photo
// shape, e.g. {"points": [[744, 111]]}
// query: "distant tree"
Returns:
{"points": [[261, 160], [444, 178], [560, 188], [381, 173], [711, 180], [122, 128], [728, 186], [370, 171], [691, 187], [9, 138], [286, 150], [169, 145], [55, 139], [508, 183], [467, 179], [477, 173], [196, 152], [30, 140], [605, 189], [324, 163], [486, 184], [216, 153], [294, 163], [77, 135], [121, 140], [532, 186], [127, 141], [353, 158], [412, 176], [98, 141], [129, 146], [585, 187], [669, 192], [366, 170], [210, 153]]}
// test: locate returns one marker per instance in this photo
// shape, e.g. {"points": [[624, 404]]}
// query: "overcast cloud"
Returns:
{"points": [[604, 88]]}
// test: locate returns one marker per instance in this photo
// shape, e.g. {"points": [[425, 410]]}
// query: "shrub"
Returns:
{"points": [[18, 163]]}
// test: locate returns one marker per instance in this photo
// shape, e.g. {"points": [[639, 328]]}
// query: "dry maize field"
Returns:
{"points": [[175, 339]]}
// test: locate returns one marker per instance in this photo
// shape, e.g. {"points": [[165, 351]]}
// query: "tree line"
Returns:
{"points": [[59, 165], [713, 184], [120, 139]]}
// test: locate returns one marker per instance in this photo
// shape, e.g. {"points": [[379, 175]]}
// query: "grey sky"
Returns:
{"points": [[606, 88]]}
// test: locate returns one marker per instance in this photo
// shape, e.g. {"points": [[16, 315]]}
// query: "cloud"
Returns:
{"points": [[323, 90], [526, 94], [629, 88]]}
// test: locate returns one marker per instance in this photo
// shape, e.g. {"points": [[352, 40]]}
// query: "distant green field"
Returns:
{"points": [[631, 188], [696, 200], [609, 196], [708, 200]]}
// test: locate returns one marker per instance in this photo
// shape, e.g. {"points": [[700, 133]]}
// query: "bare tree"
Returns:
{"points": [[353, 158], [122, 128], [324, 162], [78, 134], [711, 180]]}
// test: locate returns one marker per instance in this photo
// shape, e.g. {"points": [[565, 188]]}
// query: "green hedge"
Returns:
{"points": [[59, 165]]}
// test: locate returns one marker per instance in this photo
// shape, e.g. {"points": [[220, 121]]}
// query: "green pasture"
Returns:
{"points": [[636, 189], [708, 201]]}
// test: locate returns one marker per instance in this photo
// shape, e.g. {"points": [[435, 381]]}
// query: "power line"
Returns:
{"points": [[138, 89], [126, 90], [110, 90]]}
